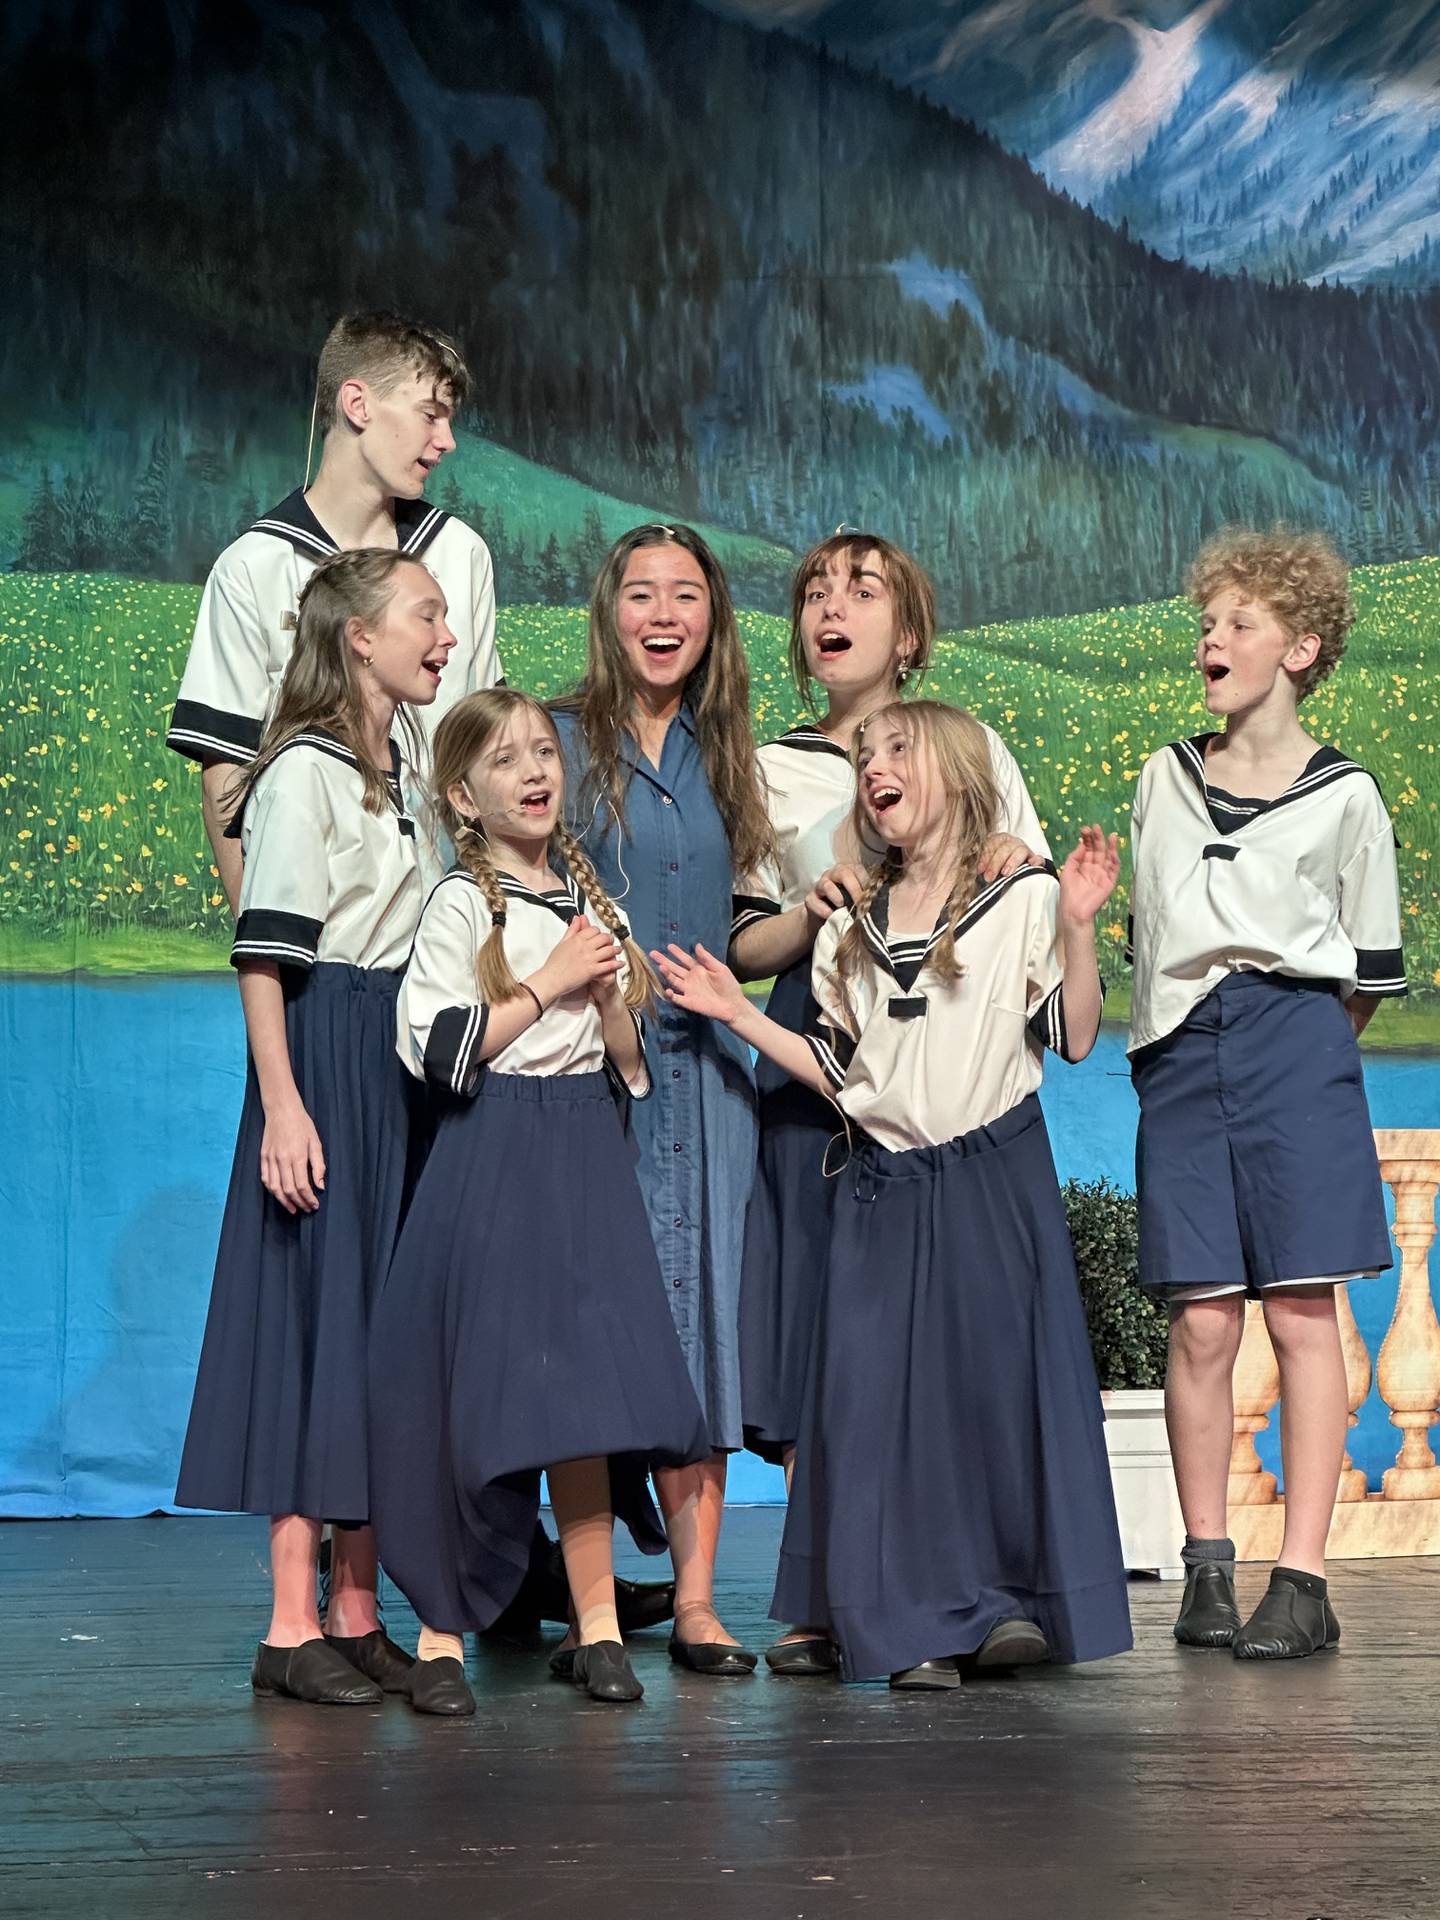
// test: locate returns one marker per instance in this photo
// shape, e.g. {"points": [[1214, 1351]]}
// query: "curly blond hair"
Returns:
{"points": [[1301, 578]]}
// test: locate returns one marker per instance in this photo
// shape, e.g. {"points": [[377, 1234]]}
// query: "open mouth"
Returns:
{"points": [[882, 799], [830, 645], [662, 644], [1215, 673], [434, 667], [537, 803]]}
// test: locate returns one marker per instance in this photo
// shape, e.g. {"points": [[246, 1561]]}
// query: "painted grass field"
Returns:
{"points": [[102, 856]]}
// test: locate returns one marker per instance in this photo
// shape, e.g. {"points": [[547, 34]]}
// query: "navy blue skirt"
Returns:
{"points": [[1255, 1162], [278, 1423], [524, 1322], [951, 1470], [787, 1236]]}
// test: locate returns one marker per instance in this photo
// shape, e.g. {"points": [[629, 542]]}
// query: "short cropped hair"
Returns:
{"points": [[910, 586], [1301, 578], [383, 349]]}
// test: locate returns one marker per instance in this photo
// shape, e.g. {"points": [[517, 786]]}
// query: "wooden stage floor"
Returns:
{"points": [[138, 1777]]}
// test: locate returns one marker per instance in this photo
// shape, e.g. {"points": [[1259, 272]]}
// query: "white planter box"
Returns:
{"points": [[1151, 1529]]}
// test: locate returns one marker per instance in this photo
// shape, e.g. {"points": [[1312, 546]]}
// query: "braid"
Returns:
{"points": [[850, 949], [493, 975], [641, 987], [942, 956]]}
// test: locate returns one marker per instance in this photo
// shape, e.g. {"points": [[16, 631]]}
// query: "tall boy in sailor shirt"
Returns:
{"points": [[1266, 929]]}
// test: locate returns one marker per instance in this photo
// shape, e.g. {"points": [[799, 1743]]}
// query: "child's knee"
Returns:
{"points": [[1302, 1317], [1206, 1333]]}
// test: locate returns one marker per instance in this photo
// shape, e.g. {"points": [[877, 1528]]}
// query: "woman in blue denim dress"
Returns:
{"points": [[665, 796]]}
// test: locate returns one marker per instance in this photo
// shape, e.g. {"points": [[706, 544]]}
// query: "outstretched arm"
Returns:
{"points": [[702, 984], [1087, 881]]}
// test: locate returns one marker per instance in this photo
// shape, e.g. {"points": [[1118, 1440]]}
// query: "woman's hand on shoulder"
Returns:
{"points": [[1003, 854], [701, 984], [1088, 877], [587, 956], [840, 886], [292, 1160]]}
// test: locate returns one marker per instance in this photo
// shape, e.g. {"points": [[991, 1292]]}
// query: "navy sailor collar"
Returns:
{"points": [[323, 741], [416, 525], [809, 739], [903, 957], [1229, 812]]}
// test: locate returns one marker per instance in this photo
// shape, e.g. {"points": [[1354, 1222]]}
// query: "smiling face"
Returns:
{"points": [[515, 785], [405, 429], [900, 788], [848, 627], [405, 650], [662, 615], [1246, 656]]}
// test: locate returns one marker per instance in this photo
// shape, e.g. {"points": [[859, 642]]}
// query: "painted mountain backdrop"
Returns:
{"points": [[700, 269], [1298, 141]]}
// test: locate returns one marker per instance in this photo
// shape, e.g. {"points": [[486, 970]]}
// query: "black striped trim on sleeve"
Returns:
{"points": [[748, 909], [289, 939], [1047, 1024], [1380, 972], [206, 733], [833, 1050], [452, 1053], [1129, 939]]}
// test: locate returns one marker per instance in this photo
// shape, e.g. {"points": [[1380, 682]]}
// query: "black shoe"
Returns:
{"points": [[1009, 1644], [930, 1676], [313, 1671], [375, 1655], [439, 1686], [643, 1603], [562, 1663], [544, 1594], [818, 1654], [713, 1657], [1289, 1623], [1208, 1614], [602, 1669]]}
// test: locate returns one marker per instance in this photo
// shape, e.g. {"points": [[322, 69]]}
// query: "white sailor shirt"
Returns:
{"points": [[810, 793], [245, 629], [1303, 885], [324, 879], [441, 1017], [923, 1060]]}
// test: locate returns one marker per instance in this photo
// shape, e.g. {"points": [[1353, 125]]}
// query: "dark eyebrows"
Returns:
{"points": [[700, 584]]}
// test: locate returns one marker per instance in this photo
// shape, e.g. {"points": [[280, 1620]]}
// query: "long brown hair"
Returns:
{"points": [[911, 588], [961, 754], [460, 739], [718, 691], [321, 686]]}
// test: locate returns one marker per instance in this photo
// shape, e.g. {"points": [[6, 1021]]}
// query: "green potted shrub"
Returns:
{"points": [[1128, 1335]]}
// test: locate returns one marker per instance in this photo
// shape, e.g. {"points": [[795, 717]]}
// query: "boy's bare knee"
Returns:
{"points": [[1206, 1333]]}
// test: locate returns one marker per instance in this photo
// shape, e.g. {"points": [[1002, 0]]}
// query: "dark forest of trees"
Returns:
{"points": [[666, 240]]}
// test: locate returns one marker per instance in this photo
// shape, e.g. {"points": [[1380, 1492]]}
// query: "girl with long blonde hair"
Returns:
{"points": [[951, 1505], [329, 901], [524, 1324]]}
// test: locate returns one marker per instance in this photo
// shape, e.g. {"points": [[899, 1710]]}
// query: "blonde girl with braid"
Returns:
{"points": [[951, 1506], [524, 1325]]}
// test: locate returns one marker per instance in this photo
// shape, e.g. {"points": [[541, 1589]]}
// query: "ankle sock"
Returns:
{"points": [[1312, 1583], [433, 1645], [1208, 1553]]}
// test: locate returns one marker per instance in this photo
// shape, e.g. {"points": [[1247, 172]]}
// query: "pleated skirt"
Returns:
{"points": [[279, 1423], [951, 1468], [787, 1236], [524, 1323]]}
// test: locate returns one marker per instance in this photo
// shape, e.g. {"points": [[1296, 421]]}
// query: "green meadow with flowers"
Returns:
{"points": [[103, 861]]}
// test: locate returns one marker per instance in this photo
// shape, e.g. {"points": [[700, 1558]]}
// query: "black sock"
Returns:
{"points": [[1313, 1583], [1208, 1553]]}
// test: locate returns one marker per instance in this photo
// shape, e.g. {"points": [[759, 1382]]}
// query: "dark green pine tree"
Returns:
{"points": [[42, 539], [152, 518], [550, 572]]}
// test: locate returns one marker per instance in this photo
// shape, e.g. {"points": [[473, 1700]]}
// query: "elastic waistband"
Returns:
{"points": [[334, 976], [1251, 980], [545, 1089], [873, 1164]]}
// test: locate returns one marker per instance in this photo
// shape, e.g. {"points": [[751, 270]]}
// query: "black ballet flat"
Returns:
{"points": [[562, 1663], [1208, 1614], [816, 1655], [439, 1686], [375, 1655], [1289, 1623], [930, 1676], [713, 1658], [313, 1672], [605, 1673], [544, 1595], [643, 1603], [1009, 1644]]}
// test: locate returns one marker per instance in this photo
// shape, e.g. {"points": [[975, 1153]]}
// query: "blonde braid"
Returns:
{"points": [[942, 954], [641, 988], [850, 949], [493, 975]]}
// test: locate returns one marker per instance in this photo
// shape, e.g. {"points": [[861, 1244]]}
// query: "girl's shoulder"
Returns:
{"points": [[456, 899]]}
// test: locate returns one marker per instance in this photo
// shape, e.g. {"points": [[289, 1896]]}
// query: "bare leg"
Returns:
{"points": [[791, 1634], [1313, 1417], [692, 1500], [294, 1554], [580, 1497], [1200, 1407], [354, 1570]]}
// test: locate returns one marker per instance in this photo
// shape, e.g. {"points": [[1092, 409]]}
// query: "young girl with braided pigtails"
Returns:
{"points": [[524, 1324], [951, 1505]]}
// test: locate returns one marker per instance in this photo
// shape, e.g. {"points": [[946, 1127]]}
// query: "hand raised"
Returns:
{"points": [[1088, 877], [700, 983]]}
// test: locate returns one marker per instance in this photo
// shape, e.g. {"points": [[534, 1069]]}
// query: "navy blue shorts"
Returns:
{"points": [[1255, 1161]]}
